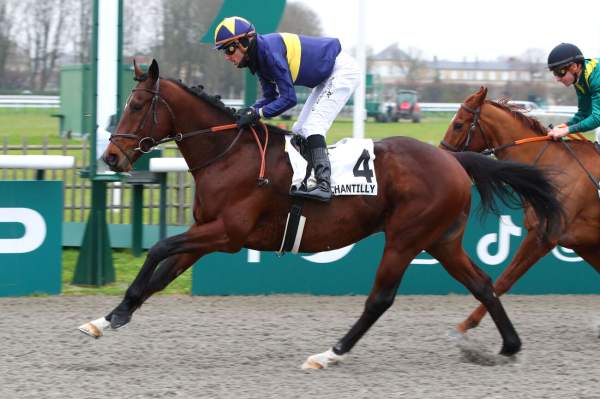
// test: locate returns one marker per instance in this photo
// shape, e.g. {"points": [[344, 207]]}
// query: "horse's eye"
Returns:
{"points": [[458, 126], [135, 107]]}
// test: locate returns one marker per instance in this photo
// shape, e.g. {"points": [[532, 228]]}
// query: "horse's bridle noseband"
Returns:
{"points": [[147, 143], [474, 125]]}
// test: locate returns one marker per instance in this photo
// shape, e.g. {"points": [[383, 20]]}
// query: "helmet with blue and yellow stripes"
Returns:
{"points": [[232, 29]]}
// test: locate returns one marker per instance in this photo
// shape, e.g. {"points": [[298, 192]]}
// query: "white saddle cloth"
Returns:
{"points": [[352, 167]]}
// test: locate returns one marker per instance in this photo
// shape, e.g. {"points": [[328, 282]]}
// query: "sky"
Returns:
{"points": [[465, 29]]}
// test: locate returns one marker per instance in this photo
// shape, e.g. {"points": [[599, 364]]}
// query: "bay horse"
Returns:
{"points": [[423, 203], [494, 127]]}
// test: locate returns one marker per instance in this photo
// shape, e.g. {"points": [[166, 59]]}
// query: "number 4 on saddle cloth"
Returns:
{"points": [[352, 173], [352, 166]]}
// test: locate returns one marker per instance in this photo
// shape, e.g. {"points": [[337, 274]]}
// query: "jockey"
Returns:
{"points": [[569, 67], [282, 60]]}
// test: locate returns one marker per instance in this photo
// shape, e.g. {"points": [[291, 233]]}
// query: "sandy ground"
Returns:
{"points": [[252, 347]]}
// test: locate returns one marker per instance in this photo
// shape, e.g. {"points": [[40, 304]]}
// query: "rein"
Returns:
{"points": [[490, 150], [147, 143]]}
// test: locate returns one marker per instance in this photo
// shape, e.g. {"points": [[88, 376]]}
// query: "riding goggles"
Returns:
{"points": [[560, 72], [230, 48]]}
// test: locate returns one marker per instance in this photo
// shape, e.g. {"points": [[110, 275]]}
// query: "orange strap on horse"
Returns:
{"points": [[223, 127], [261, 149], [573, 136], [215, 129]]}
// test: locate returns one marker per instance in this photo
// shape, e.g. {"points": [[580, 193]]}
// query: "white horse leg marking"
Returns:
{"points": [[322, 360], [95, 328]]}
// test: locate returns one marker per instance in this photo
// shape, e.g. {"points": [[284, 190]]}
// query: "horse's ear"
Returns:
{"points": [[137, 70], [484, 89], [153, 70]]}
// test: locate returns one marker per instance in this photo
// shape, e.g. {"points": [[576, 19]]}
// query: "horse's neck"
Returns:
{"points": [[199, 148], [509, 130]]}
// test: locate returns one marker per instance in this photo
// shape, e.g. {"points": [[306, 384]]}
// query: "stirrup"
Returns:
{"points": [[316, 193], [299, 191]]}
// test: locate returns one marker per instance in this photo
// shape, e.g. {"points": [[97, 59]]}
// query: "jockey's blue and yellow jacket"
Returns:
{"points": [[284, 60], [587, 88]]}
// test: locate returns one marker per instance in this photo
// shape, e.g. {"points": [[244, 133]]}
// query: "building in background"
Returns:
{"points": [[451, 81]]}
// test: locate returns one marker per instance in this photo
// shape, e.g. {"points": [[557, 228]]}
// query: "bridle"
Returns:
{"points": [[147, 143], [474, 125]]}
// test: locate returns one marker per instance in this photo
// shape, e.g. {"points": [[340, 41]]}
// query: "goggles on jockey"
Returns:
{"points": [[561, 72], [230, 48]]}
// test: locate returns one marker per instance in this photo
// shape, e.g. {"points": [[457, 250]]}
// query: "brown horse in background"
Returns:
{"points": [[423, 203], [494, 127]]}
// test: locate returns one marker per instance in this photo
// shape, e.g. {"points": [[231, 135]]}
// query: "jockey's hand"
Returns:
{"points": [[559, 131], [246, 117]]}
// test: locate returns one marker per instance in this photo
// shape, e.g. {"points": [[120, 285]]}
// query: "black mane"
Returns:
{"points": [[215, 100], [198, 91]]}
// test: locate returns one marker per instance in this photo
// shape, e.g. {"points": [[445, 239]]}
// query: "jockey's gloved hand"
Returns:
{"points": [[246, 117]]}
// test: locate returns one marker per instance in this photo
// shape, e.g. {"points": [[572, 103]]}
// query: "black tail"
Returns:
{"points": [[516, 185]]}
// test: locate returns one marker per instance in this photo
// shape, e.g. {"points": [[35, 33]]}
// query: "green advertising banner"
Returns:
{"points": [[30, 237], [491, 243]]}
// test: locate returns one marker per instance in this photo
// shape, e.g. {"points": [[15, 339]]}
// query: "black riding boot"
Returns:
{"points": [[322, 168]]}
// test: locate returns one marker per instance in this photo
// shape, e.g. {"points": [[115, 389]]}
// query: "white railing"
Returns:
{"points": [[29, 101], [34, 101], [36, 161], [168, 164]]}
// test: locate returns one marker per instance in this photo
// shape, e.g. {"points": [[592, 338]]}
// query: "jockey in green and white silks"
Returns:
{"points": [[282, 61], [587, 88], [569, 67]]}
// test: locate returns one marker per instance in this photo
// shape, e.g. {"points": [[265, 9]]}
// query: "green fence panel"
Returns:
{"points": [[30, 237]]}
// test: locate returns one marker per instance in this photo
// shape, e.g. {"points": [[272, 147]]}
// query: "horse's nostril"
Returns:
{"points": [[111, 159]]}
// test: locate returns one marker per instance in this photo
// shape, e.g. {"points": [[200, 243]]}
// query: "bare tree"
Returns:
{"points": [[414, 66], [300, 19], [5, 38], [44, 28], [83, 38]]}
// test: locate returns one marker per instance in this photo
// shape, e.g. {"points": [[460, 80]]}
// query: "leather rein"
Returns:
{"points": [[490, 150], [147, 143]]}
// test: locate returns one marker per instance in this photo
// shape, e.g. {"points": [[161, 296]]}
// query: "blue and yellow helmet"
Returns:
{"points": [[232, 28]]}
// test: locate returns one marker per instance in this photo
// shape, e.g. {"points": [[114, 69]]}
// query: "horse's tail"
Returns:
{"points": [[528, 183]]}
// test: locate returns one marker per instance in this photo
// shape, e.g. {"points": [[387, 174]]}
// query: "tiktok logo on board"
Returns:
{"points": [[502, 239], [506, 229]]}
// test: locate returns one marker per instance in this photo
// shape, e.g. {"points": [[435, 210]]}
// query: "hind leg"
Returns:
{"points": [[456, 261], [389, 274], [529, 252]]}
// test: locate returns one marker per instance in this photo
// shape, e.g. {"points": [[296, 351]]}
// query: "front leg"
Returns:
{"points": [[184, 249]]}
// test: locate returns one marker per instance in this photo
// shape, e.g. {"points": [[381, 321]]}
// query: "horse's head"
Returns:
{"points": [[461, 134], [146, 120], [472, 129]]}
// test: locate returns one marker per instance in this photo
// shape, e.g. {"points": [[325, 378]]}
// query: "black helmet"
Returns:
{"points": [[563, 55]]}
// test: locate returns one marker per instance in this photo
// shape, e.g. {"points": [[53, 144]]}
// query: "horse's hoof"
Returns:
{"points": [[94, 329], [118, 321], [322, 360], [511, 348], [456, 334], [310, 365]]}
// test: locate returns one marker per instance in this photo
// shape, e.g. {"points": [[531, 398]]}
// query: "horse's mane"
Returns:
{"points": [[215, 100], [198, 91], [515, 110]]}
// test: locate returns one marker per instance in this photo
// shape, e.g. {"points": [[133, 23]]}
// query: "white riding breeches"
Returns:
{"points": [[327, 99]]}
